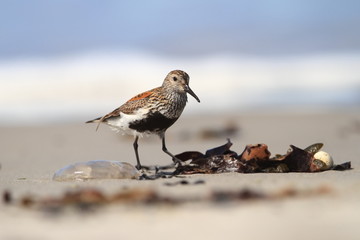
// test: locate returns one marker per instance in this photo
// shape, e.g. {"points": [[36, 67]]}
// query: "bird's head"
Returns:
{"points": [[179, 81]]}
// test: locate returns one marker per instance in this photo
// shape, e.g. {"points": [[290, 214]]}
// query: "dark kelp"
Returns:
{"points": [[254, 159]]}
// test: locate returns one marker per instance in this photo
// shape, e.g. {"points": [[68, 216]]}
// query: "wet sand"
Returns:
{"points": [[31, 155]]}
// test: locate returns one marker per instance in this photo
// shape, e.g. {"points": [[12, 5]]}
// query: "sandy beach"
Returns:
{"points": [[270, 76], [31, 155]]}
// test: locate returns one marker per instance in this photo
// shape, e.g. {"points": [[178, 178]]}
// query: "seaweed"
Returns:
{"points": [[255, 158]]}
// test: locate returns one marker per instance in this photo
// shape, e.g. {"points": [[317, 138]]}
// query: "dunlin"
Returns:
{"points": [[151, 112]]}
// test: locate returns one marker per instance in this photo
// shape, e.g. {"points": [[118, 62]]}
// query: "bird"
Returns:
{"points": [[151, 112]]}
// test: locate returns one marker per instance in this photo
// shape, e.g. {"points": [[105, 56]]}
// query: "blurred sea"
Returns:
{"points": [[84, 86]]}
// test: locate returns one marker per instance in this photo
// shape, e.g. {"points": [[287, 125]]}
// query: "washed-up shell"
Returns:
{"points": [[98, 169], [314, 148], [326, 158]]}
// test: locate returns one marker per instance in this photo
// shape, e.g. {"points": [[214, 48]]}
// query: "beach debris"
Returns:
{"points": [[245, 194], [325, 158], [223, 149], [230, 129], [184, 182], [215, 160], [90, 199], [257, 158], [258, 152], [86, 199], [97, 169], [7, 197], [342, 167], [314, 148]]}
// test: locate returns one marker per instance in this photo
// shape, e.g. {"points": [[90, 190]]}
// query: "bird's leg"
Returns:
{"points": [[175, 159], [138, 166]]}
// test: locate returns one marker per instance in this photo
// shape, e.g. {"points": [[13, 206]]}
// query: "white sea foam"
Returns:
{"points": [[89, 85]]}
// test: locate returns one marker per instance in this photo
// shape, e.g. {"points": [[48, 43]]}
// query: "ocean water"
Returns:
{"points": [[83, 86]]}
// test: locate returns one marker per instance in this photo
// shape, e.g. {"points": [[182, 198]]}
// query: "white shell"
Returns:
{"points": [[325, 158], [98, 169]]}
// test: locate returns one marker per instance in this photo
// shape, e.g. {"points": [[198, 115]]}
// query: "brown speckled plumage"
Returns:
{"points": [[153, 111]]}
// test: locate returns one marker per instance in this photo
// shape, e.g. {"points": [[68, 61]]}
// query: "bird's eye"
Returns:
{"points": [[175, 79]]}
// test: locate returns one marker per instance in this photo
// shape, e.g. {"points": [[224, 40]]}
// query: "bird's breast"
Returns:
{"points": [[173, 106]]}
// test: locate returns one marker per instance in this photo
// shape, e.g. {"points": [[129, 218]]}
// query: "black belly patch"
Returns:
{"points": [[154, 122]]}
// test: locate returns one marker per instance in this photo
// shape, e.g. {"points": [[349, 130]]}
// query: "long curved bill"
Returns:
{"points": [[188, 90]]}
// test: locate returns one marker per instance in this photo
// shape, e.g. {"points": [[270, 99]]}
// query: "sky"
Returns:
{"points": [[61, 59], [31, 28]]}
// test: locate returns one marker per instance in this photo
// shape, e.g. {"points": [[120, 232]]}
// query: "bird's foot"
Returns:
{"points": [[177, 162]]}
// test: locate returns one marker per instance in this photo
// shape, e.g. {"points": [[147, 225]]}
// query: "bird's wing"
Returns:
{"points": [[129, 107], [139, 101]]}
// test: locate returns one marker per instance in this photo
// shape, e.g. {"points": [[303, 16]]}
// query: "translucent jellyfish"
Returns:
{"points": [[97, 169]]}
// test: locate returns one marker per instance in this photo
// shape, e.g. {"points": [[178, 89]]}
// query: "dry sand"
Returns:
{"points": [[31, 155]]}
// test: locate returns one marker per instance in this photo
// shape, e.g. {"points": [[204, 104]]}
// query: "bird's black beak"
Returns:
{"points": [[188, 90]]}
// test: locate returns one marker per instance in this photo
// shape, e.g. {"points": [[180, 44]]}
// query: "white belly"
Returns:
{"points": [[121, 123]]}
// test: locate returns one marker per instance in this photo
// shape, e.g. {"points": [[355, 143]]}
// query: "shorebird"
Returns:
{"points": [[151, 112]]}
